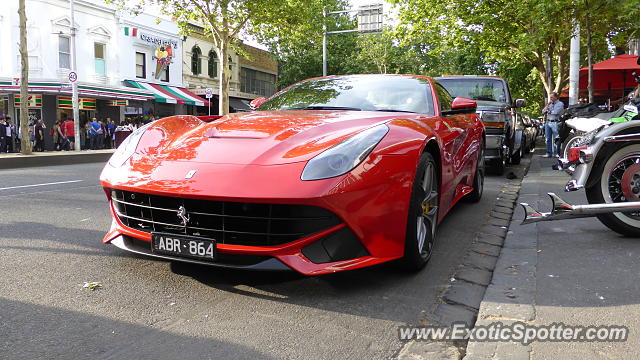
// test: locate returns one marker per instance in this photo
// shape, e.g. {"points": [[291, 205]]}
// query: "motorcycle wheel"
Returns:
{"points": [[569, 143], [620, 182]]}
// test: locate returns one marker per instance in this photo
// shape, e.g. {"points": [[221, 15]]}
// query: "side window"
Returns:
{"points": [[444, 97]]}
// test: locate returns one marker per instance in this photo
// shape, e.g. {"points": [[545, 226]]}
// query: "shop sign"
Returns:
{"points": [[66, 102], [118, 103], [33, 100]]}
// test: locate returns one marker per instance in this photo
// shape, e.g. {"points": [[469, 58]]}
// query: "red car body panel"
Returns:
{"points": [[258, 157]]}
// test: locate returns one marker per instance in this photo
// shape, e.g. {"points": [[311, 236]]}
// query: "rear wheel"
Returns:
{"points": [[620, 182], [422, 219]]}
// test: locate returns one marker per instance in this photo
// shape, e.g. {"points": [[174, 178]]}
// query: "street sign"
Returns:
{"points": [[65, 86], [73, 76], [208, 93]]}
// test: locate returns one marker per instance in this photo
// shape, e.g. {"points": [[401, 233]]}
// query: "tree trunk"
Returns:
{"points": [[223, 48], [24, 82], [223, 108], [589, 58]]}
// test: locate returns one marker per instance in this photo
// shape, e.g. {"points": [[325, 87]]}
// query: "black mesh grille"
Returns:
{"points": [[226, 222]]}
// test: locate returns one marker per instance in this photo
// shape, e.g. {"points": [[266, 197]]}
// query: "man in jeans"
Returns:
{"points": [[552, 110]]}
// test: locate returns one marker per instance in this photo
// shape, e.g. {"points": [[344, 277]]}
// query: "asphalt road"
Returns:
{"points": [[50, 245]]}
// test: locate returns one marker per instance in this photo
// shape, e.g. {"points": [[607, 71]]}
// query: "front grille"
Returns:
{"points": [[234, 223]]}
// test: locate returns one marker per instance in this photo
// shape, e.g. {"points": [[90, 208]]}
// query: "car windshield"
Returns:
{"points": [[476, 89], [367, 93]]}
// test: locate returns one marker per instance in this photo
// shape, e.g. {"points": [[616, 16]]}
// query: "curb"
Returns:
{"points": [[14, 161], [464, 300], [510, 296]]}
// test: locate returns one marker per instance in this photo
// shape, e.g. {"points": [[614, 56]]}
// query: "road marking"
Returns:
{"points": [[44, 184]]}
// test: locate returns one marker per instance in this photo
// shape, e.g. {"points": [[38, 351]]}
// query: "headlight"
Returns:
{"points": [[345, 156], [492, 117], [128, 147]]}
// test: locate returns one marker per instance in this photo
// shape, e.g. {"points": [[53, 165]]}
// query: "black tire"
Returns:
{"points": [[515, 159], [499, 165], [478, 180], [423, 207], [600, 191]]}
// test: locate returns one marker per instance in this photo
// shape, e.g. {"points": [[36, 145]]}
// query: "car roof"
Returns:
{"points": [[469, 77]]}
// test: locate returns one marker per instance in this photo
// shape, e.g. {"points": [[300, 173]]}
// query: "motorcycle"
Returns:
{"points": [[606, 163], [579, 120]]}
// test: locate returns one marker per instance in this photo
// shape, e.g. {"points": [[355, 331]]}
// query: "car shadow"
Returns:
{"points": [[62, 333]]}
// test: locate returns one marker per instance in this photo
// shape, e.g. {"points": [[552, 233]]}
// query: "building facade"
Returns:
{"points": [[253, 74], [126, 65]]}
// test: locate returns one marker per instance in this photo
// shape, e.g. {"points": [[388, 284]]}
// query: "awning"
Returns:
{"points": [[84, 89], [170, 94], [239, 104]]}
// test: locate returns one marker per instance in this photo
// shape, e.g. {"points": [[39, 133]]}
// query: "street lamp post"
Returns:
{"points": [[375, 9], [74, 83]]}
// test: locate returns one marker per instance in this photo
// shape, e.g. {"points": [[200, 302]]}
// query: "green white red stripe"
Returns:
{"points": [[171, 94]]}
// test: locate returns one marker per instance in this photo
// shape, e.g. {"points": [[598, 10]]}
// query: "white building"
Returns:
{"points": [[116, 57]]}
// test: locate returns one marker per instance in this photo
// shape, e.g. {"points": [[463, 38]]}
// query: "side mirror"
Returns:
{"points": [[461, 105], [520, 103], [255, 103], [638, 61]]}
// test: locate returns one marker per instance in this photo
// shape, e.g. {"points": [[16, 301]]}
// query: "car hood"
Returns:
{"points": [[484, 105], [255, 138]]}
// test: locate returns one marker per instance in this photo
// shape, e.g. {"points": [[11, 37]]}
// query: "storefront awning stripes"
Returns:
{"points": [[170, 94], [84, 89]]}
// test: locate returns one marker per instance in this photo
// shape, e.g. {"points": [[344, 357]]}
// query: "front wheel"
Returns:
{"points": [[422, 219], [620, 182]]}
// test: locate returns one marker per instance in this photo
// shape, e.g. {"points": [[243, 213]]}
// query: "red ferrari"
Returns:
{"points": [[330, 174]]}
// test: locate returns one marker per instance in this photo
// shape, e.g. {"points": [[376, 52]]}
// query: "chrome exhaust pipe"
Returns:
{"points": [[561, 210]]}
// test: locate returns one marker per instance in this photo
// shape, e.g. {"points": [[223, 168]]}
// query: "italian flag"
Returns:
{"points": [[129, 31]]}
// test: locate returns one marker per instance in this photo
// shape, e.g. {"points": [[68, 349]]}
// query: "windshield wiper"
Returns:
{"points": [[325, 108], [395, 110]]}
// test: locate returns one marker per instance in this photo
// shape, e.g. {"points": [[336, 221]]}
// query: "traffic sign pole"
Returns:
{"points": [[208, 93]]}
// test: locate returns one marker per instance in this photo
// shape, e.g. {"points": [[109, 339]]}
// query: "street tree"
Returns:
{"points": [[224, 20], [25, 142], [528, 30]]}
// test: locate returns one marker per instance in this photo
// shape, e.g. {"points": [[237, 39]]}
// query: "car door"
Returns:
{"points": [[456, 142]]}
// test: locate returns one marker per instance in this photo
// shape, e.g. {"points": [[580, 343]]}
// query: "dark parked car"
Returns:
{"points": [[498, 112]]}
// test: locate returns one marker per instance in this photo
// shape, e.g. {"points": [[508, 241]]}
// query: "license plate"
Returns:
{"points": [[184, 246]]}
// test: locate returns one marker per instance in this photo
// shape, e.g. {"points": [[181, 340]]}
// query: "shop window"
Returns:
{"points": [[213, 64], [164, 75], [141, 65], [64, 52], [99, 58], [196, 61]]}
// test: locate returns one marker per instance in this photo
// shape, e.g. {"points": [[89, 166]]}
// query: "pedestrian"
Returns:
{"points": [[94, 126], [11, 135], [68, 130], [552, 111], [3, 137], [56, 135], [39, 135], [112, 133], [102, 133]]}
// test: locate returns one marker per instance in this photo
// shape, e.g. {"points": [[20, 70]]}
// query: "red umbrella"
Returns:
{"points": [[612, 74]]}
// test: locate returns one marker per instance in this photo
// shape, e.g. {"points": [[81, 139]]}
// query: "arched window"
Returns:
{"points": [[213, 64], [196, 63]]}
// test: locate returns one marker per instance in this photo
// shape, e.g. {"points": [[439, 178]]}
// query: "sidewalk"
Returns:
{"points": [[50, 158], [577, 272]]}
